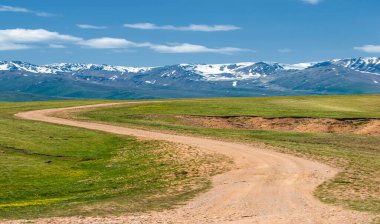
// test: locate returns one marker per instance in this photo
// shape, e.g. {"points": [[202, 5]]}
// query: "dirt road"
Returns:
{"points": [[266, 186]]}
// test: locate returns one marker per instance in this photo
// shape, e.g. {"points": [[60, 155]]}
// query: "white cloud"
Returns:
{"points": [[284, 50], [206, 28], [191, 27], [57, 46], [44, 14], [192, 48], [107, 43], [119, 43], [30, 36], [142, 26], [7, 8], [88, 26], [16, 39], [369, 48], [312, 2]]}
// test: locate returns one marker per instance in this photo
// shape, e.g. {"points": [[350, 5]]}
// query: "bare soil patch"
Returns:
{"points": [[307, 125]]}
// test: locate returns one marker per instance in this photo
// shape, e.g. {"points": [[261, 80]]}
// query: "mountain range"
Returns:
{"points": [[22, 81]]}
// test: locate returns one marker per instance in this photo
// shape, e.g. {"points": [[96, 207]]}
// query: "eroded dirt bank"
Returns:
{"points": [[307, 125]]}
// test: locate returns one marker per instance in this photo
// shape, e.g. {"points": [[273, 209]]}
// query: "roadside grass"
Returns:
{"points": [[340, 106], [357, 186], [53, 170]]}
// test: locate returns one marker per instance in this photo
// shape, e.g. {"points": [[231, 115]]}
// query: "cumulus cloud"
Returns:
{"points": [[191, 27], [7, 8], [88, 26], [369, 48], [312, 2]]}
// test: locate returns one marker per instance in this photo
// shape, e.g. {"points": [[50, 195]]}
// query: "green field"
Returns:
{"points": [[52, 170], [357, 186]]}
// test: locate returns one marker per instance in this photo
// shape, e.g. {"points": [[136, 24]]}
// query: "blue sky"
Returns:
{"points": [[160, 32]]}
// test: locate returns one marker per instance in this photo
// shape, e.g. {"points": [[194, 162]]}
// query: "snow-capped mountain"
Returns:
{"points": [[212, 72], [66, 67], [354, 75], [371, 65]]}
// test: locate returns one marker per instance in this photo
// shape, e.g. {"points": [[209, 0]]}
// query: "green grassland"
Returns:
{"points": [[357, 186], [53, 170]]}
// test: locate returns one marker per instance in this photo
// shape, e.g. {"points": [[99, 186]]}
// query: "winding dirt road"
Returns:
{"points": [[266, 186]]}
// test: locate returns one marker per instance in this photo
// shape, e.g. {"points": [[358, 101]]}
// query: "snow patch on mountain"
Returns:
{"points": [[209, 69], [299, 66]]}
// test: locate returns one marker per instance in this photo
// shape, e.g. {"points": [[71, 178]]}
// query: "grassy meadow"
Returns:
{"points": [[357, 186], [53, 170]]}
